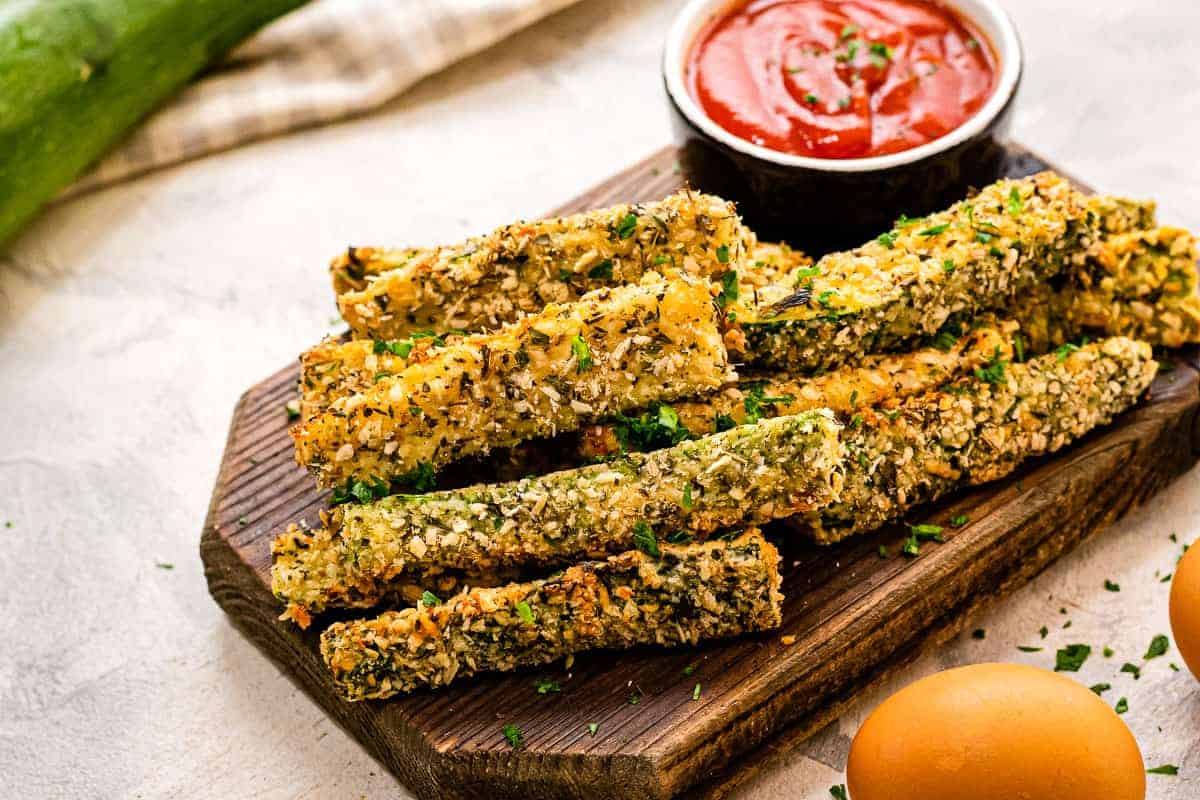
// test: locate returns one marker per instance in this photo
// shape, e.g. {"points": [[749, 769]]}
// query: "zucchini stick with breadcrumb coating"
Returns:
{"points": [[979, 429], [748, 475], [491, 280], [685, 595], [883, 296], [613, 350]]}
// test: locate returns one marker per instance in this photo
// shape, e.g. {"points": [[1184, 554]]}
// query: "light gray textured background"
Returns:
{"points": [[131, 320]]}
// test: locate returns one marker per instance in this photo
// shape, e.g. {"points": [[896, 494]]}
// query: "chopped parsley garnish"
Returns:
{"points": [[1015, 204], [679, 537], [696, 692], [513, 734], [1122, 706], [926, 532], [548, 687], [811, 99], [1027, 649], [644, 539], [430, 599], [824, 298], [360, 491], [935, 230], [593, 727], [888, 239], [1165, 769], [583, 353], [159, 564], [979, 633], [983, 237], [1112, 587], [1132, 669], [654, 429], [911, 547], [838, 792], [904, 221], [723, 422], [602, 271], [380, 376], [958, 520], [756, 401], [1065, 350], [1071, 657], [689, 669], [292, 407], [729, 288], [945, 341], [993, 373], [524, 612], [1108, 652], [883, 552], [723, 254], [848, 31], [1043, 631], [880, 49], [1018, 348], [948, 266], [844, 102], [635, 697], [1100, 688], [1158, 646], [687, 497], [627, 226], [397, 347]]}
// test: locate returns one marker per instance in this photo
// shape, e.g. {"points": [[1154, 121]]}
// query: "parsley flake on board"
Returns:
{"points": [[548, 687], [696, 692], [958, 520], [513, 734], [926, 532], [593, 727], [1071, 657]]}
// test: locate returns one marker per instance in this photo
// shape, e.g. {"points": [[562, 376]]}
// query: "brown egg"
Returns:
{"points": [[1185, 608], [995, 732]]}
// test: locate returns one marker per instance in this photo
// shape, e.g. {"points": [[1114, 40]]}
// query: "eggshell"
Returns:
{"points": [[995, 732], [1185, 608]]}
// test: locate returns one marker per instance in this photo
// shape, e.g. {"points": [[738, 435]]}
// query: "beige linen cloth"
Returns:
{"points": [[325, 61]]}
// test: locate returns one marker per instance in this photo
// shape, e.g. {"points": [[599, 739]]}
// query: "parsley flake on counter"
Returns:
{"points": [[1100, 688], [1043, 631], [513, 734], [1132, 669], [1112, 587], [1071, 657], [1122, 706], [1158, 646], [838, 792], [979, 633], [164, 565], [1108, 652], [1024, 648], [1165, 769]]}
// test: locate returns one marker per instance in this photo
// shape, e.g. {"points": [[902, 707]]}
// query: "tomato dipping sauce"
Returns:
{"points": [[840, 78]]}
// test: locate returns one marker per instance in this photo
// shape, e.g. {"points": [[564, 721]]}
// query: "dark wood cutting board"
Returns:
{"points": [[854, 616]]}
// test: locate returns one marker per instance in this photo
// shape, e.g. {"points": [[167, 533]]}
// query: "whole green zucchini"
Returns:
{"points": [[76, 75]]}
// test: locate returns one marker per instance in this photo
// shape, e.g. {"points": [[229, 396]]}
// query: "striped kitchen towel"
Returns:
{"points": [[329, 60]]}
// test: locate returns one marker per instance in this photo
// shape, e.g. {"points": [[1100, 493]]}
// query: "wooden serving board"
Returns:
{"points": [[854, 615]]}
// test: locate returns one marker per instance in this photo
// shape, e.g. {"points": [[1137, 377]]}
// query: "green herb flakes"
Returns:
{"points": [[593, 727], [548, 687], [513, 734], [1122, 706], [430, 599], [627, 226], [583, 353], [696, 692], [1132, 669], [524, 612], [1112, 587], [1071, 657], [644, 539], [1158, 646], [1165, 769], [602, 271], [1100, 688], [958, 520]]}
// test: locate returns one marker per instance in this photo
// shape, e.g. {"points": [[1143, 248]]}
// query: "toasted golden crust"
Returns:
{"points": [[751, 474], [613, 350], [689, 594], [881, 297], [490, 280], [979, 429]]}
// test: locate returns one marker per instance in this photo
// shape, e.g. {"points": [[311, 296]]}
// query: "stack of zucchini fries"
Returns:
{"points": [[565, 434]]}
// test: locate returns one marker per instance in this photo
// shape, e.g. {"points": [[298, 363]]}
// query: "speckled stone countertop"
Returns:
{"points": [[132, 319]]}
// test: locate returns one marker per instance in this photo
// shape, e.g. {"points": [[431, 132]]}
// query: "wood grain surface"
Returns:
{"points": [[855, 617]]}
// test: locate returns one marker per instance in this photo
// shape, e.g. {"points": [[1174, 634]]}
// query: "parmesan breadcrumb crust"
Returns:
{"points": [[614, 350], [885, 295], [748, 475], [687, 594], [491, 280], [979, 429]]}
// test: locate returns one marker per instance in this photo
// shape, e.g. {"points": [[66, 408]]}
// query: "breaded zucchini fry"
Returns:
{"points": [[613, 350], [689, 594], [749, 475], [978, 255], [979, 429], [490, 280], [1140, 284]]}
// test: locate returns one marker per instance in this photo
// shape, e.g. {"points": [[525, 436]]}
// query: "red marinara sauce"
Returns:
{"points": [[840, 78]]}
